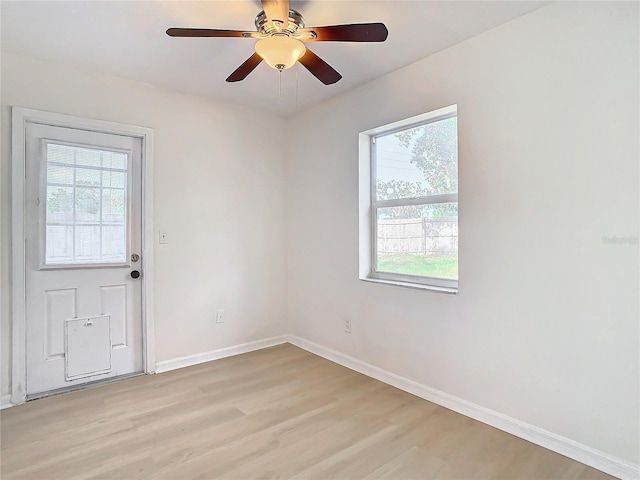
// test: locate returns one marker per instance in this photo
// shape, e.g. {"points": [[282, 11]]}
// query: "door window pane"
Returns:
{"points": [[87, 243], [114, 160], [88, 157], [86, 206], [60, 154], [113, 206], [112, 246], [59, 204], [59, 244], [60, 175], [113, 179], [88, 176]]}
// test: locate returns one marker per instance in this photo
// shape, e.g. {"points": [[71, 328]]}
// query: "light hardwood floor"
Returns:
{"points": [[275, 413]]}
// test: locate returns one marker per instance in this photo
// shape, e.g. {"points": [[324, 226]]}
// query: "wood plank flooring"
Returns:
{"points": [[275, 413]]}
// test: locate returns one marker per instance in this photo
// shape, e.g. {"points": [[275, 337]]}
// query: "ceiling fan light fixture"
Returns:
{"points": [[280, 51]]}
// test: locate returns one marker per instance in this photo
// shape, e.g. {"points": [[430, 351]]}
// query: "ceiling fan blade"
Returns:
{"points": [[358, 32], [277, 12], [319, 68], [208, 32], [245, 69]]}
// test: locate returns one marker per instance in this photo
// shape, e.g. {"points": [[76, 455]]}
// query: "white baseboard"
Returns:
{"points": [[5, 401], [557, 443], [189, 360]]}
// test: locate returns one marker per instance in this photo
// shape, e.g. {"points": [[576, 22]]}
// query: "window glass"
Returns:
{"points": [[85, 213], [414, 205], [418, 161], [418, 240]]}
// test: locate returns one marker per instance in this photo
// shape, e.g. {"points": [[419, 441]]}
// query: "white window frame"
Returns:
{"points": [[369, 206]]}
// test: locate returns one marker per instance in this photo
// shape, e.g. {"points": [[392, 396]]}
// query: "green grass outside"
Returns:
{"points": [[413, 264]]}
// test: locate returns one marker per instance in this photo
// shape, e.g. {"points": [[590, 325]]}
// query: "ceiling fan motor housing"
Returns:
{"points": [[296, 22]]}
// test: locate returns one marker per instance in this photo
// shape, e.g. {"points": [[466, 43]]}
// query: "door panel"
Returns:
{"points": [[83, 223], [113, 299], [60, 305]]}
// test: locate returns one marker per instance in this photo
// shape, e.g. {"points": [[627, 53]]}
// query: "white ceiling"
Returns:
{"points": [[127, 39]]}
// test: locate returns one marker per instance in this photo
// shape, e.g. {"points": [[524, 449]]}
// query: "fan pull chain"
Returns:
{"points": [[280, 83]]}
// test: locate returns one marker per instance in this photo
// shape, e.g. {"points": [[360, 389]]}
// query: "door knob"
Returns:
{"points": [[135, 274]]}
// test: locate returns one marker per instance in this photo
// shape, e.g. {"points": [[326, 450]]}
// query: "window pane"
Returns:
{"points": [[87, 205], [85, 156], [59, 204], [113, 206], [418, 240], [87, 176], [59, 244], [56, 174], [87, 244], [60, 154], [114, 160], [418, 161], [113, 179], [114, 244]]}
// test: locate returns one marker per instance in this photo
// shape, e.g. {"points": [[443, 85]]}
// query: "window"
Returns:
{"points": [[86, 206], [413, 201]]}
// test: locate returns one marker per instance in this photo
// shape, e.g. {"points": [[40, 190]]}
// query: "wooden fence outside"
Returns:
{"points": [[423, 236]]}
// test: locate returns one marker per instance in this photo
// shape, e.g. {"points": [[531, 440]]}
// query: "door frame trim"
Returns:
{"points": [[20, 117]]}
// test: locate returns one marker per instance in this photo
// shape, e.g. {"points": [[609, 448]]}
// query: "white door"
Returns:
{"points": [[83, 241]]}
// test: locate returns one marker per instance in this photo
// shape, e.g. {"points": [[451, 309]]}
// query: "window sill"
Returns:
{"points": [[417, 286]]}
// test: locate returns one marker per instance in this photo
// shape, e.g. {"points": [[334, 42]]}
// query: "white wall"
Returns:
{"points": [[219, 193], [545, 327]]}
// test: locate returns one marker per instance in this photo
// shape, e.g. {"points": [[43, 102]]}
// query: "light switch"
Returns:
{"points": [[163, 237]]}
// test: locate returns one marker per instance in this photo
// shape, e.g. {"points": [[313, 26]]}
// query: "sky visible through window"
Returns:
{"points": [[394, 161]]}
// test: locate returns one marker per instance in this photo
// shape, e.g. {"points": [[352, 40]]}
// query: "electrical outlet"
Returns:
{"points": [[347, 324], [220, 316]]}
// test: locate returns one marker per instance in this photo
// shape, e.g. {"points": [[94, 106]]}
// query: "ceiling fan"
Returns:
{"points": [[281, 33]]}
